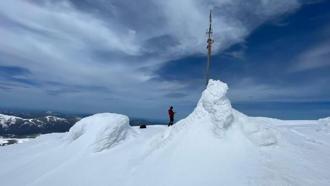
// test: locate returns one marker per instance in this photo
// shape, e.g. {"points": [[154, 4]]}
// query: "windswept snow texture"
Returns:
{"points": [[100, 131], [215, 145]]}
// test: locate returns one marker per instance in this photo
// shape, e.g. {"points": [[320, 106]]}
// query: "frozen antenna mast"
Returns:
{"points": [[210, 41]]}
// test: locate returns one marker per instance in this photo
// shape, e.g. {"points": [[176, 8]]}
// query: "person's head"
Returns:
{"points": [[171, 107]]}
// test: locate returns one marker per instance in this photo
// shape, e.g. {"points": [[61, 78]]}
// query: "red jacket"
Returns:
{"points": [[170, 113]]}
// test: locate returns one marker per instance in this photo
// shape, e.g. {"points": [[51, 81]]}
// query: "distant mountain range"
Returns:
{"points": [[38, 125], [26, 123]]}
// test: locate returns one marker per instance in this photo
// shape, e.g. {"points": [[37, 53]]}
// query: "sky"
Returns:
{"points": [[139, 57]]}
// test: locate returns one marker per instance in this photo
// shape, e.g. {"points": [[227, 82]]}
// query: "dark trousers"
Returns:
{"points": [[171, 121]]}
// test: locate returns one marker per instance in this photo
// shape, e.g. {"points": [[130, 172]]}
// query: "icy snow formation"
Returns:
{"points": [[213, 108], [214, 112], [100, 131]]}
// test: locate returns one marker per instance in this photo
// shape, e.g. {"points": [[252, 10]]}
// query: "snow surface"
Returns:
{"points": [[4, 140], [215, 145]]}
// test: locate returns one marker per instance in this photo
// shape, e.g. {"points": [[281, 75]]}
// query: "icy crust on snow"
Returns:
{"points": [[100, 131]]}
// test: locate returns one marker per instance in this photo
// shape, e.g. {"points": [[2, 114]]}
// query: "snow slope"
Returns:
{"points": [[214, 145]]}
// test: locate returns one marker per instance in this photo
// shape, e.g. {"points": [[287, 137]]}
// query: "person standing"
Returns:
{"points": [[171, 116]]}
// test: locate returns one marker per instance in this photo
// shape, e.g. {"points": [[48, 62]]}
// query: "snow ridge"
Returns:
{"points": [[257, 132]]}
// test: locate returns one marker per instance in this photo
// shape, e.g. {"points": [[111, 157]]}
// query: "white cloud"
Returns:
{"points": [[249, 90], [314, 57]]}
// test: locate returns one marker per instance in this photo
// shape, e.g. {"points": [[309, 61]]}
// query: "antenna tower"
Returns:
{"points": [[210, 41]]}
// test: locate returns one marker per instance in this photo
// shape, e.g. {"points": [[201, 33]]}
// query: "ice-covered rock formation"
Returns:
{"points": [[213, 108], [100, 131], [215, 113]]}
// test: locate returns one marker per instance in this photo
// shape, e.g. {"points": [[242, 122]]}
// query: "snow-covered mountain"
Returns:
{"points": [[21, 126], [215, 145]]}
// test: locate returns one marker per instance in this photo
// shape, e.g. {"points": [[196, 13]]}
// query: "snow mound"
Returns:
{"points": [[215, 113], [100, 131], [324, 124], [255, 131], [213, 108], [325, 121]]}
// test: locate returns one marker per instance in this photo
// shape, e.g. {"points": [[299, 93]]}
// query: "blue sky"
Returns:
{"points": [[139, 57]]}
